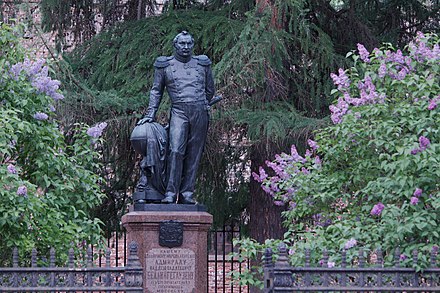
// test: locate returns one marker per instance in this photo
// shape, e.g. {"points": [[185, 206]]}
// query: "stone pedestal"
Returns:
{"points": [[172, 248]]}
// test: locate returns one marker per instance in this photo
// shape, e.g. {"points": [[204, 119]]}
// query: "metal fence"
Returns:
{"points": [[220, 263], [279, 276], [73, 278]]}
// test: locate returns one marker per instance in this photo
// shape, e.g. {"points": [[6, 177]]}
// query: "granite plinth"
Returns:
{"points": [[179, 269]]}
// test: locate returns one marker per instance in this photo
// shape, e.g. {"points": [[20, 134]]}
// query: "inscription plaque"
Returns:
{"points": [[170, 270]]}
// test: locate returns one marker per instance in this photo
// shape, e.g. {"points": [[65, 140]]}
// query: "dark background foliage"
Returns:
{"points": [[272, 60]]}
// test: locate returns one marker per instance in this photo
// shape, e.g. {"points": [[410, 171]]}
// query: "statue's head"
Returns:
{"points": [[183, 45]]}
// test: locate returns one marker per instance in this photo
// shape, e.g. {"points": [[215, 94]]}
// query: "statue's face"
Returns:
{"points": [[184, 46]]}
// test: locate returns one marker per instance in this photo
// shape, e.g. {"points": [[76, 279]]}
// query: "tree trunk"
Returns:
{"points": [[265, 217]]}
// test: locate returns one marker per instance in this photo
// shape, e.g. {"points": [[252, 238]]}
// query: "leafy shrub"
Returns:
{"points": [[372, 179], [47, 186]]}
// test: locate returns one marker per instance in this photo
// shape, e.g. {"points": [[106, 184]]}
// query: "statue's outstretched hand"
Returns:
{"points": [[144, 120]]}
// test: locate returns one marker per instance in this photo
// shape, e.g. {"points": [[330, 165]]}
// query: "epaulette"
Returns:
{"points": [[162, 61], [203, 60]]}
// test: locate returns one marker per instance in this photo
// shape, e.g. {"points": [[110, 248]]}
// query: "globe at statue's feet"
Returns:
{"points": [[169, 199]]}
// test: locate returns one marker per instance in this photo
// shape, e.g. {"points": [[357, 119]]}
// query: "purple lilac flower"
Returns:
{"points": [[51, 108], [37, 74], [396, 57], [377, 53], [291, 251], [423, 142], [260, 177], [415, 151], [341, 80], [331, 264], [338, 110], [41, 116], [403, 257], [402, 73], [290, 191], [382, 70], [363, 53], [313, 144], [278, 203], [414, 200], [417, 192], [295, 156], [266, 189], [11, 169], [305, 171], [318, 161], [96, 131], [350, 243], [22, 190], [377, 209], [421, 52], [433, 103]]}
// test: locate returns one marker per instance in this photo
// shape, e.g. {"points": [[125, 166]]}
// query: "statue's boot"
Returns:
{"points": [[187, 198], [169, 198]]}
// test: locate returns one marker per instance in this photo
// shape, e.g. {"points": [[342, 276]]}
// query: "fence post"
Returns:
{"points": [[133, 271], [268, 271], [282, 274]]}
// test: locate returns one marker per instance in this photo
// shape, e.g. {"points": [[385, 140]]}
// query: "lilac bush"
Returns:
{"points": [[373, 174], [48, 187]]}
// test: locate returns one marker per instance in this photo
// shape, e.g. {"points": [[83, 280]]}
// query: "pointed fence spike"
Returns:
{"points": [[282, 271], [52, 258], [307, 256], [15, 257], [71, 258], [107, 257], [379, 260], [89, 257], [379, 264], [343, 258], [133, 259], [268, 269], [415, 282], [397, 257], [268, 261], [325, 258], [34, 257], [283, 259], [361, 258], [415, 255], [433, 257]]}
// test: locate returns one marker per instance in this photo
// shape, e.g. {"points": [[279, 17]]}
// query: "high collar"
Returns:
{"points": [[182, 59]]}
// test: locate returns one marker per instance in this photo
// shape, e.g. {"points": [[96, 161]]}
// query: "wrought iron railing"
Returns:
{"points": [[280, 276], [71, 278]]}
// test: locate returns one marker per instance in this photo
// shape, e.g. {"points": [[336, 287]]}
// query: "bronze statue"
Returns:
{"points": [[189, 82]]}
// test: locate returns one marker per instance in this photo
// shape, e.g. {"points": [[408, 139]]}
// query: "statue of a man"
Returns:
{"points": [[190, 85]]}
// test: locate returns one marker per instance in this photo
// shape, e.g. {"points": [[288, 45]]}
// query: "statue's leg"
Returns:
{"points": [[196, 141], [178, 134]]}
